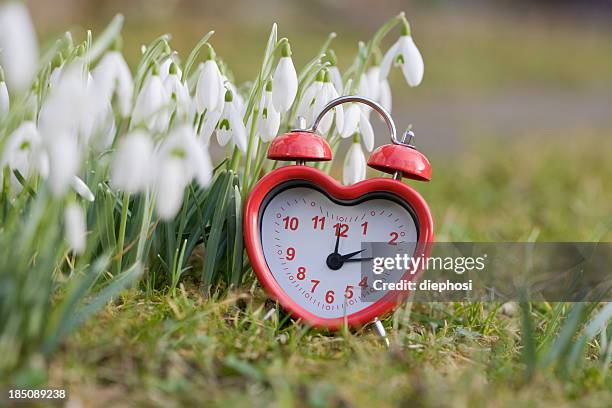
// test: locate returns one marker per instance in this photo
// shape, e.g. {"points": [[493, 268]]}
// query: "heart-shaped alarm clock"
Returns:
{"points": [[304, 231]]}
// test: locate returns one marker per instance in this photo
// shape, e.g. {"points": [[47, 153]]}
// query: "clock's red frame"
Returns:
{"points": [[332, 187]]}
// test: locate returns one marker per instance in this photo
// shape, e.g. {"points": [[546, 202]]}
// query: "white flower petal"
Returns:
{"points": [[336, 78], [387, 61], [4, 101], [351, 120], [81, 188], [211, 119], [209, 87], [367, 133], [373, 79], [169, 188], [64, 161], [152, 105], [239, 134], [75, 228], [284, 85], [19, 55], [133, 163], [354, 169], [385, 98], [413, 66]]}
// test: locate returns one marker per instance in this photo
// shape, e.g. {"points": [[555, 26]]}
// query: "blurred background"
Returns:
{"points": [[494, 70]]}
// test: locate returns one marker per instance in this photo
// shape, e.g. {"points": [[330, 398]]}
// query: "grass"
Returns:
{"points": [[163, 350]]}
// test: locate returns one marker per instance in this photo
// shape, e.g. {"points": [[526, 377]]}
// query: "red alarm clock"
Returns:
{"points": [[304, 231]]}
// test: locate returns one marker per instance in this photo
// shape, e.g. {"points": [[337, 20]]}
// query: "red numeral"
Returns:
{"points": [[301, 273], [348, 292], [365, 227], [341, 230], [329, 296], [315, 283], [318, 221], [291, 223], [393, 239], [290, 253], [363, 282]]}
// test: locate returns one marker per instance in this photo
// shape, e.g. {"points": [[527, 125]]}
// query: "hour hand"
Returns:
{"points": [[349, 256]]}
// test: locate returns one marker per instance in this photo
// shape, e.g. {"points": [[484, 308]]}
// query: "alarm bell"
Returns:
{"points": [[399, 158]]}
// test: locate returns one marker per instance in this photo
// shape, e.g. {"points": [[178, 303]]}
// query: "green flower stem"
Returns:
{"points": [[362, 59], [252, 137], [122, 228], [258, 163]]}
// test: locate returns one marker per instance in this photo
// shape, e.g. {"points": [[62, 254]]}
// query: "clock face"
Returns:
{"points": [[312, 243]]}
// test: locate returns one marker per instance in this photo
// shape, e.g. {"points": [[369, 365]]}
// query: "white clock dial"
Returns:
{"points": [[299, 229]]}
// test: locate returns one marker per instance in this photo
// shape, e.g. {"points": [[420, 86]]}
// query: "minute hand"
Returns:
{"points": [[346, 257]]}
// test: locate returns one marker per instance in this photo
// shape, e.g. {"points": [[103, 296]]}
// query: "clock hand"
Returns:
{"points": [[349, 256], [337, 241], [358, 259]]}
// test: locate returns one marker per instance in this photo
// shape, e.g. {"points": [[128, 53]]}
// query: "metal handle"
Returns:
{"points": [[366, 101]]}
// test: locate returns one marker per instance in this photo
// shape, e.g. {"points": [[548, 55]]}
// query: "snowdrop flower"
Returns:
{"points": [[316, 96], [75, 228], [178, 91], [405, 54], [133, 163], [112, 76], [169, 188], [81, 189], [18, 45], [334, 72], [354, 165], [24, 152], [64, 162], [285, 81], [151, 106], [356, 120], [231, 127], [4, 97], [164, 68], [385, 98], [269, 118], [180, 159], [210, 91]]}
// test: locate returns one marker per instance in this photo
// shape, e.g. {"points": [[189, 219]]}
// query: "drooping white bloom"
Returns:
{"points": [[231, 127], [64, 162], [151, 106], [316, 96], [372, 77], [75, 228], [18, 45], [182, 143], [285, 81], [385, 98], [81, 189], [336, 78], [405, 54], [164, 68], [112, 76], [179, 160], [209, 89], [4, 98], [269, 118], [179, 92], [24, 152], [133, 163], [354, 169], [71, 105], [169, 188], [356, 120]]}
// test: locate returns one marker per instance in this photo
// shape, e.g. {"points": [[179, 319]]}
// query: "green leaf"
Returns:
{"points": [[214, 239], [106, 39], [193, 55]]}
